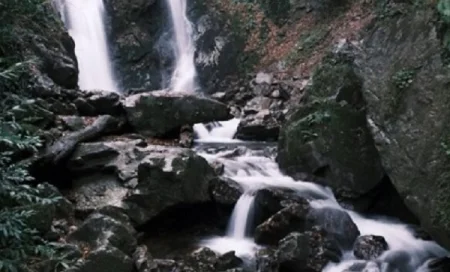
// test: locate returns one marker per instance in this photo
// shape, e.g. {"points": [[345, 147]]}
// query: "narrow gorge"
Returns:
{"points": [[224, 136]]}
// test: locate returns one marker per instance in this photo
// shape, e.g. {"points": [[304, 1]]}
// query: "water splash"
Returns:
{"points": [[219, 132], [184, 74], [84, 21]]}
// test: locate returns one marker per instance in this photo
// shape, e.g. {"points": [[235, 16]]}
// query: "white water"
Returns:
{"points": [[84, 20], [240, 218], [255, 170], [219, 132], [183, 77]]}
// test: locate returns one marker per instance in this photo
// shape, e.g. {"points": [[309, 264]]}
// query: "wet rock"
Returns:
{"points": [[143, 261], [98, 102], [72, 123], [266, 260], [167, 178], [270, 201], [366, 266], [337, 223], [100, 231], [186, 136], [308, 251], [228, 261], [369, 247], [439, 265], [289, 219], [225, 191], [162, 113], [203, 260], [102, 259]]}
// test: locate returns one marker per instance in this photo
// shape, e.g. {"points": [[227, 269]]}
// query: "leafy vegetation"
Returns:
{"points": [[21, 245], [403, 78]]}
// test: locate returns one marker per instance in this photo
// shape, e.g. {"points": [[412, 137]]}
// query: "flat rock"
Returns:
{"points": [[162, 113]]}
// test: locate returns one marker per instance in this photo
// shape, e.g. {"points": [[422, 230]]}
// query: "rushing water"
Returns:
{"points": [[254, 169], [183, 77], [84, 20]]}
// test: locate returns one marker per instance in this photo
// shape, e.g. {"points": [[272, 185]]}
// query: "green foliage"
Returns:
{"points": [[20, 243], [403, 78]]}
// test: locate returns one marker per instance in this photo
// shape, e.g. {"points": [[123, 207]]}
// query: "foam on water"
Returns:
{"points": [[220, 132]]}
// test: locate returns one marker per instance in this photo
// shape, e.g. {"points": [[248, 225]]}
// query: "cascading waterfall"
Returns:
{"points": [[84, 21], [255, 170], [184, 74]]}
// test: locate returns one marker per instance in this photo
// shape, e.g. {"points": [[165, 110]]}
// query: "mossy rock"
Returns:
{"points": [[328, 136]]}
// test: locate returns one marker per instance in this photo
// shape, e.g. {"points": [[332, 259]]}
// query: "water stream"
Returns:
{"points": [[84, 20], [183, 77], [254, 169]]}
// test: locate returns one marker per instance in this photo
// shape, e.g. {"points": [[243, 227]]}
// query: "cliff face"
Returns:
{"points": [[141, 37]]}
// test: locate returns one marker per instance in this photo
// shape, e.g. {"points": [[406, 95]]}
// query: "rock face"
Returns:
{"points": [[328, 135], [369, 247], [407, 110], [144, 181], [163, 113], [141, 32]]}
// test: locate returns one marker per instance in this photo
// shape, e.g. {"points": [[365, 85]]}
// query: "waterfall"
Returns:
{"points": [[241, 217], [84, 21], [183, 77]]}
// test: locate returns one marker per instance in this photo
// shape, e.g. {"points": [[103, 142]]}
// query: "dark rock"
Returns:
{"points": [[337, 223], [163, 113], [72, 123], [308, 251], [293, 213], [202, 260], [228, 261], [439, 265], [100, 231], [83, 107], [266, 260], [369, 247], [143, 261], [186, 136], [270, 201], [366, 266], [92, 192], [328, 135], [225, 191], [63, 208], [103, 259], [104, 102], [167, 177], [410, 129], [289, 219]]}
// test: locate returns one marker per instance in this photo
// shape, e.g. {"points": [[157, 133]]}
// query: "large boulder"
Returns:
{"points": [[100, 230], [144, 180], [407, 111], [168, 178], [328, 136], [309, 251], [163, 113]]}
